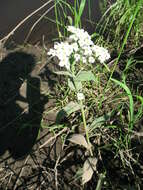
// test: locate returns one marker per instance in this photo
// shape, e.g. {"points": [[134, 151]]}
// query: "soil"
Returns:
{"points": [[33, 160], [22, 104]]}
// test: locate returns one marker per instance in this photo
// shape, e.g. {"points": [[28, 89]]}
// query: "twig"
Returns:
{"points": [[42, 16], [11, 174], [57, 163], [56, 171], [24, 20], [21, 172], [52, 138], [14, 173]]}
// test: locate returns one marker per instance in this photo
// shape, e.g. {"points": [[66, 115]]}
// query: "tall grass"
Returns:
{"points": [[121, 8], [117, 19], [68, 13]]}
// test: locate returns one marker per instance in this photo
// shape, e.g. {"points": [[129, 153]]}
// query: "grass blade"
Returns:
{"points": [[131, 103], [79, 14]]}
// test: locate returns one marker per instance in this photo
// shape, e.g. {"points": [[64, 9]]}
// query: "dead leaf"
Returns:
{"points": [[79, 139], [88, 169]]}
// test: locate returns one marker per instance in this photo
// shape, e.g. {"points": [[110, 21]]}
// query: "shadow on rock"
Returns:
{"points": [[20, 116]]}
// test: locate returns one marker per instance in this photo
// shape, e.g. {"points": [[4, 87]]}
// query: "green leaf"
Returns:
{"points": [[70, 20], [67, 73], [98, 122], [85, 76], [131, 103], [78, 85], [71, 84], [100, 181], [74, 85], [54, 127], [140, 109], [71, 107], [67, 110], [81, 9]]}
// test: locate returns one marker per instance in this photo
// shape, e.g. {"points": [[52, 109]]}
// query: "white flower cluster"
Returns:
{"points": [[80, 47], [63, 51], [101, 53]]}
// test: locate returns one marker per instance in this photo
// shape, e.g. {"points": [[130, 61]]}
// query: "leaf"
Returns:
{"points": [[63, 73], [70, 20], [88, 169], [74, 85], [78, 85], [106, 66], [85, 76], [100, 181], [78, 173], [131, 103], [71, 84], [80, 140], [71, 107], [99, 121], [140, 109], [67, 110], [81, 9]]}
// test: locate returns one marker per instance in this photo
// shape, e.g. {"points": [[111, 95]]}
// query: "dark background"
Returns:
{"points": [[12, 12]]}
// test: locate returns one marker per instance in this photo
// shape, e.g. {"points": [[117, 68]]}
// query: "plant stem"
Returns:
{"points": [[85, 128], [100, 181], [57, 23]]}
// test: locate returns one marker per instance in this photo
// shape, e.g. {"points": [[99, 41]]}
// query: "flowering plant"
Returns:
{"points": [[77, 49]]}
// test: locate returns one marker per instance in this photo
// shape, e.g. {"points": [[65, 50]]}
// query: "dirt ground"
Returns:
{"points": [[23, 101], [29, 154]]}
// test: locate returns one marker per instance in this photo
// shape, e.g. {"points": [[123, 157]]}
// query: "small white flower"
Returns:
{"points": [[61, 63], [87, 51], [73, 38], [75, 47], [77, 57], [67, 65], [64, 63], [80, 96], [71, 29], [91, 59], [84, 60], [51, 52], [101, 53], [81, 35]]}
